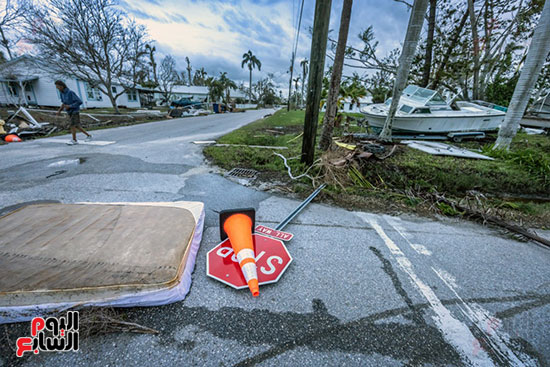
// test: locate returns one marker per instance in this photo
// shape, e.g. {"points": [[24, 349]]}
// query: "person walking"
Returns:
{"points": [[71, 103]]}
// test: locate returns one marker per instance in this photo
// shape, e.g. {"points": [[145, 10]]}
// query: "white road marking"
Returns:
{"points": [[455, 332], [498, 339], [80, 142], [489, 325], [395, 223]]}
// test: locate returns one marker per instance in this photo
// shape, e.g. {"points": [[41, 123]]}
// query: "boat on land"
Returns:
{"points": [[538, 116], [425, 111]]}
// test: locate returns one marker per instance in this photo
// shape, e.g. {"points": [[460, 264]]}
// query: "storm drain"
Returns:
{"points": [[242, 173]]}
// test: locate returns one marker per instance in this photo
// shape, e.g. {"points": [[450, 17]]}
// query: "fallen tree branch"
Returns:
{"points": [[495, 220], [105, 320]]}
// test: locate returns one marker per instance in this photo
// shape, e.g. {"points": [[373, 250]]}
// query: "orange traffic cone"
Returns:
{"points": [[238, 227], [12, 138]]}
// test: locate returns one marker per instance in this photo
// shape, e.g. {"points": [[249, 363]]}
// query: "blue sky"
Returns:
{"points": [[214, 34]]}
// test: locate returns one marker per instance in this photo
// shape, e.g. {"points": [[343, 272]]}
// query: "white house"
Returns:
{"points": [[195, 93], [24, 82]]}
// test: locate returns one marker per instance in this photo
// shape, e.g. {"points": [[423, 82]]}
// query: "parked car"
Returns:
{"points": [[185, 102]]}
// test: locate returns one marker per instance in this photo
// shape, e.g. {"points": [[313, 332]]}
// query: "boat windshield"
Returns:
{"points": [[388, 102], [423, 95], [406, 109], [437, 99]]}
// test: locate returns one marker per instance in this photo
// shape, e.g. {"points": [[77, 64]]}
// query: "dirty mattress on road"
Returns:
{"points": [[56, 256]]}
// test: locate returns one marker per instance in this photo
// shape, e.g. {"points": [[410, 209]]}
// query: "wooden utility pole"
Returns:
{"points": [[290, 81], [336, 77], [315, 83]]}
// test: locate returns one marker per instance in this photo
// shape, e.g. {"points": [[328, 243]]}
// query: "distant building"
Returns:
{"points": [[194, 92], [348, 107], [24, 82]]}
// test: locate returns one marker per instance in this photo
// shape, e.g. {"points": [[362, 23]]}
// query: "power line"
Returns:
{"points": [[299, 26], [294, 49]]}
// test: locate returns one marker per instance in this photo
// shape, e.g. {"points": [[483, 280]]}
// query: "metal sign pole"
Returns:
{"points": [[300, 207]]}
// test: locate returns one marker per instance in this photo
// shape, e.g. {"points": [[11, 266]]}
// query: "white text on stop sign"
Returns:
{"points": [[226, 251]]}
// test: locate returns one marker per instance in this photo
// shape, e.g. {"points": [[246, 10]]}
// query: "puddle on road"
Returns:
{"points": [[67, 162]]}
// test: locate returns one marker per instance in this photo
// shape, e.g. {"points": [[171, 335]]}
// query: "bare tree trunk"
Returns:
{"points": [[112, 99], [449, 51], [250, 88], [429, 45], [6, 43], [538, 52], [405, 60], [290, 82], [334, 90], [303, 84], [485, 66], [475, 36]]}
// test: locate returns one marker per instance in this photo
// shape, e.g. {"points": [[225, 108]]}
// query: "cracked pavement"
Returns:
{"points": [[363, 289]]}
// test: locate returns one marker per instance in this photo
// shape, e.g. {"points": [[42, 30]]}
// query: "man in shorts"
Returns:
{"points": [[71, 103]]}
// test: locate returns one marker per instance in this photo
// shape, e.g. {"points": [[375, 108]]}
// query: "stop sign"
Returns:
{"points": [[272, 259]]}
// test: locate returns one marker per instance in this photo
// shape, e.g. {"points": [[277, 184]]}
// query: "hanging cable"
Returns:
{"points": [[294, 50], [299, 26]]}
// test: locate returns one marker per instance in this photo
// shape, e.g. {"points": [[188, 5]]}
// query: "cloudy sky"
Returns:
{"points": [[214, 34]]}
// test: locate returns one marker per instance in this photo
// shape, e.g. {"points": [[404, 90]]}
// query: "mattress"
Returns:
{"points": [[59, 256]]}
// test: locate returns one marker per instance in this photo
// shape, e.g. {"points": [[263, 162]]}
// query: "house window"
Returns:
{"points": [[113, 89], [13, 89], [132, 95], [28, 87], [93, 93]]}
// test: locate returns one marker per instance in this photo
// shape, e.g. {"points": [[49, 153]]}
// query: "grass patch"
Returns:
{"points": [[516, 182]]}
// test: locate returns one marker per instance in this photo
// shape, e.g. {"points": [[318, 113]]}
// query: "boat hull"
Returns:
{"points": [[437, 124], [536, 122]]}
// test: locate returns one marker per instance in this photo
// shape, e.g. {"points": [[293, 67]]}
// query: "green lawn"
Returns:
{"points": [[514, 180]]}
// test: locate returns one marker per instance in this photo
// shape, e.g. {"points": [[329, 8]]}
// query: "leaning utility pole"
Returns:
{"points": [[315, 83], [290, 81]]}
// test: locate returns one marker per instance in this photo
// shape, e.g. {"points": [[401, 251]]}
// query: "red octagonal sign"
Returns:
{"points": [[272, 259]]}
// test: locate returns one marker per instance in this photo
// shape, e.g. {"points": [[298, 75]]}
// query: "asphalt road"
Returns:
{"points": [[362, 290]]}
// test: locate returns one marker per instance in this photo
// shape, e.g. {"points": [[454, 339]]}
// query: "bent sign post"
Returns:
{"points": [[272, 259], [271, 256]]}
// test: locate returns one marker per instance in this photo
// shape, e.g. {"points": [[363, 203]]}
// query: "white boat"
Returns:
{"points": [[422, 110], [538, 116]]}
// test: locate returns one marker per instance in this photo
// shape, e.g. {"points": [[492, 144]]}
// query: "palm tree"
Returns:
{"points": [[336, 77], [405, 60], [251, 61], [296, 81], [304, 65], [200, 77], [227, 84], [538, 51], [215, 89], [354, 90], [152, 62]]}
